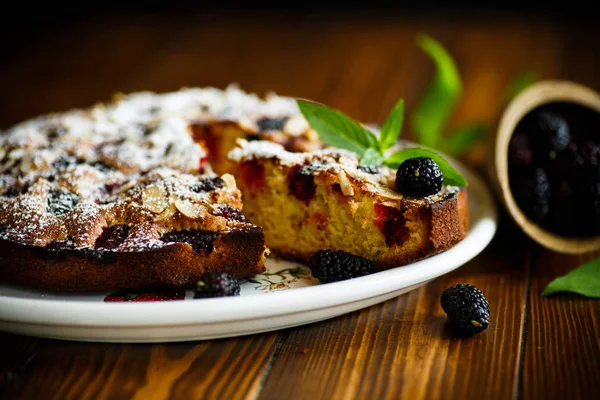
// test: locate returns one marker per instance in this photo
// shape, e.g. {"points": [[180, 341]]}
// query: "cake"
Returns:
{"points": [[119, 195], [324, 199], [155, 189]]}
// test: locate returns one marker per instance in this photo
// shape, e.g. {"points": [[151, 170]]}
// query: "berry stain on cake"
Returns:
{"points": [[302, 182], [199, 240], [324, 198], [112, 237], [252, 174], [392, 223]]}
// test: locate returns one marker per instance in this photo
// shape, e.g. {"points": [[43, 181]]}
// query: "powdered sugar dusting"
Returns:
{"points": [[66, 176], [331, 160]]}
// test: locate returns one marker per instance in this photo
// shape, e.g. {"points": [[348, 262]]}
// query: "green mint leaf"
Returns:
{"points": [[337, 129], [451, 176], [584, 280], [520, 83], [462, 139], [371, 157], [391, 127], [130, 296], [435, 105]]}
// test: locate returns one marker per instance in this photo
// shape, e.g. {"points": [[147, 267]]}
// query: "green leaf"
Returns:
{"points": [[371, 157], [437, 102], [461, 139], [584, 280], [520, 83], [451, 176], [391, 127], [130, 296], [336, 128]]}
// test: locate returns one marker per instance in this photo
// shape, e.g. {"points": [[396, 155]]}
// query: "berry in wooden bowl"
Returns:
{"points": [[547, 165]]}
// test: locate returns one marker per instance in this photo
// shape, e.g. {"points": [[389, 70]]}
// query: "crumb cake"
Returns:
{"points": [[144, 190], [120, 195], [325, 200]]}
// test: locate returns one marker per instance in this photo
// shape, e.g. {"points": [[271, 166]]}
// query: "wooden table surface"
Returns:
{"points": [[534, 348]]}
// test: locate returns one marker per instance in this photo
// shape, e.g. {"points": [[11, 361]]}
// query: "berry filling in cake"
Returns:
{"points": [[325, 200]]}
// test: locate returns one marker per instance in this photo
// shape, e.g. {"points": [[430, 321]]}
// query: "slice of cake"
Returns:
{"points": [[325, 200]]}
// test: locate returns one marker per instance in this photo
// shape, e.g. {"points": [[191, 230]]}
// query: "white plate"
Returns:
{"points": [[272, 301]]}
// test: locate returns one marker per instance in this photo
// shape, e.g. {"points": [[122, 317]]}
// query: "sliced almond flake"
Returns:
{"points": [[189, 209], [208, 205], [154, 199], [127, 186], [167, 213], [229, 181], [345, 184]]}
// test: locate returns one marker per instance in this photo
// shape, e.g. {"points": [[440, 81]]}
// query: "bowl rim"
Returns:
{"points": [[540, 93]]}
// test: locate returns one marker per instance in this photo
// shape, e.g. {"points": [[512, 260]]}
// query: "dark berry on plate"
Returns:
{"points": [[216, 284], [207, 185], [230, 213], [419, 176], [112, 237], [61, 202], [302, 182], [467, 309], [199, 240], [531, 191], [333, 266], [519, 150], [550, 134], [369, 169], [271, 124]]}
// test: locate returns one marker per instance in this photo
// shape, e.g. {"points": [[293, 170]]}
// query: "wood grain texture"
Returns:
{"points": [[562, 356], [534, 348], [204, 370], [403, 347]]}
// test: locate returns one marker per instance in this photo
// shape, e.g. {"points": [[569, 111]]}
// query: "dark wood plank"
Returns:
{"points": [[562, 353], [42, 368], [403, 348]]}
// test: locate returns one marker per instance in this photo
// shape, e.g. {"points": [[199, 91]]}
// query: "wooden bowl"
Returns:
{"points": [[541, 93]]}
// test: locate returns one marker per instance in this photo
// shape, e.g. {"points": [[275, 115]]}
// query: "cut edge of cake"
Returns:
{"points": [[324, 200]]}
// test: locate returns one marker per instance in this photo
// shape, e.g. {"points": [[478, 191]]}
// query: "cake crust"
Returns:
{"points": [[175, 264]]}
